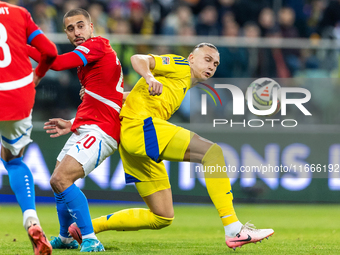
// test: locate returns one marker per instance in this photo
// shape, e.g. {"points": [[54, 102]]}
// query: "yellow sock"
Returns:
{"points": [[218, 185], [130, 220]]}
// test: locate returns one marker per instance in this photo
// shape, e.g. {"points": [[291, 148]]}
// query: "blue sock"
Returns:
{"points": [[21, 182], [65, 219], [78, 208]]}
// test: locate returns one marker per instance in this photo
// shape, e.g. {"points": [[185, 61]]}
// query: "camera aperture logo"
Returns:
{"points": [[205, 97], [265, 97]]}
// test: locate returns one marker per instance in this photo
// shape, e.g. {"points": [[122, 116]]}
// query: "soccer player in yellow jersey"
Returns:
{"points": [[147, 139]]}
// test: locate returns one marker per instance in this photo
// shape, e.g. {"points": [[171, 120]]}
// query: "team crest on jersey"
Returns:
{"points": [[165, 60], [83, 49]]}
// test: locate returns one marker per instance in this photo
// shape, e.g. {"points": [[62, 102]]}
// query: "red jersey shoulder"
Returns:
{"points": [[19, 16], [3, 4], [98, 39], [95, 45], [8, 8], [90, 46], [23, 10]]}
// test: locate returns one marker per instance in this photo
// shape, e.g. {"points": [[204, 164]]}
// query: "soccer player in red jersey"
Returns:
{"points": [[17, 92], [96, 127]]}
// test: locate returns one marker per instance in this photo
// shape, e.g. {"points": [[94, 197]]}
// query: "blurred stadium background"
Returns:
{"points": [[292, 40]]}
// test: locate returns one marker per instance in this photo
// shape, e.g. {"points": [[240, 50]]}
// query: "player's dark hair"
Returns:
{"points": [[75, 12], [205, 44]]}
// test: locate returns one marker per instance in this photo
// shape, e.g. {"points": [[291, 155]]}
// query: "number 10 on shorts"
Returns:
{"points": [[87, 143]]}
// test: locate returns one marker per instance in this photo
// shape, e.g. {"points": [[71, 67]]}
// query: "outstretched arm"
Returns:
{"points": [[57, 127], [62, 62], [143, 64]]}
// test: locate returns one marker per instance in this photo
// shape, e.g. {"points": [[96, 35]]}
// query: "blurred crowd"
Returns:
{"points": [[289, 18], [227, 18]]}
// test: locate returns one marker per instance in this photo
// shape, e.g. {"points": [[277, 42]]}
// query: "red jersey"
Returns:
{"points": [[16, 77], [100, 72], [102, 77]]}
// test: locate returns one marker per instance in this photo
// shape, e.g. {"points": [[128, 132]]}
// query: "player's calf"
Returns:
{"points": [[21, 182], [125, 220]]}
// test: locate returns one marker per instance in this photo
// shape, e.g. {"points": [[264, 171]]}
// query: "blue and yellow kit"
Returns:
{"points": [[145, 132]]}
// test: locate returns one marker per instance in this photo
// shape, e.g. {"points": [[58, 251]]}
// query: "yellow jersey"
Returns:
{"points": [[174, 73]]}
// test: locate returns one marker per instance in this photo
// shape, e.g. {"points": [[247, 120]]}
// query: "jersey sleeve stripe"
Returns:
{"points": [[182, 61], [81, 56], [33, 35], [186, 64]]}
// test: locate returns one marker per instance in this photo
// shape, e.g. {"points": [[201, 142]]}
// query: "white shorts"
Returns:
{"points": [[16, 134], [89, 148]]}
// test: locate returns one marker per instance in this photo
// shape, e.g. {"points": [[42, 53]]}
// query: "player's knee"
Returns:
{"points": [[8, 156], [216, 149], [213, 152], [16, 166], [165, 212], [161, 222], [8, 164], [57, 183], [53, 183]]}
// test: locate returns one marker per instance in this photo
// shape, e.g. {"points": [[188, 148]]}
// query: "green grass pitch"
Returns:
{"points": [[197, 229]]}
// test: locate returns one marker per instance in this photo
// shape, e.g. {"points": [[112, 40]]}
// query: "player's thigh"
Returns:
{"points": [[148, 137], [152, 181], [132, 136], [57, 164], [177, 146], [197, 148], [15, 135], [89, 149], [7, 155], [66, 172], [142, 169]]}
